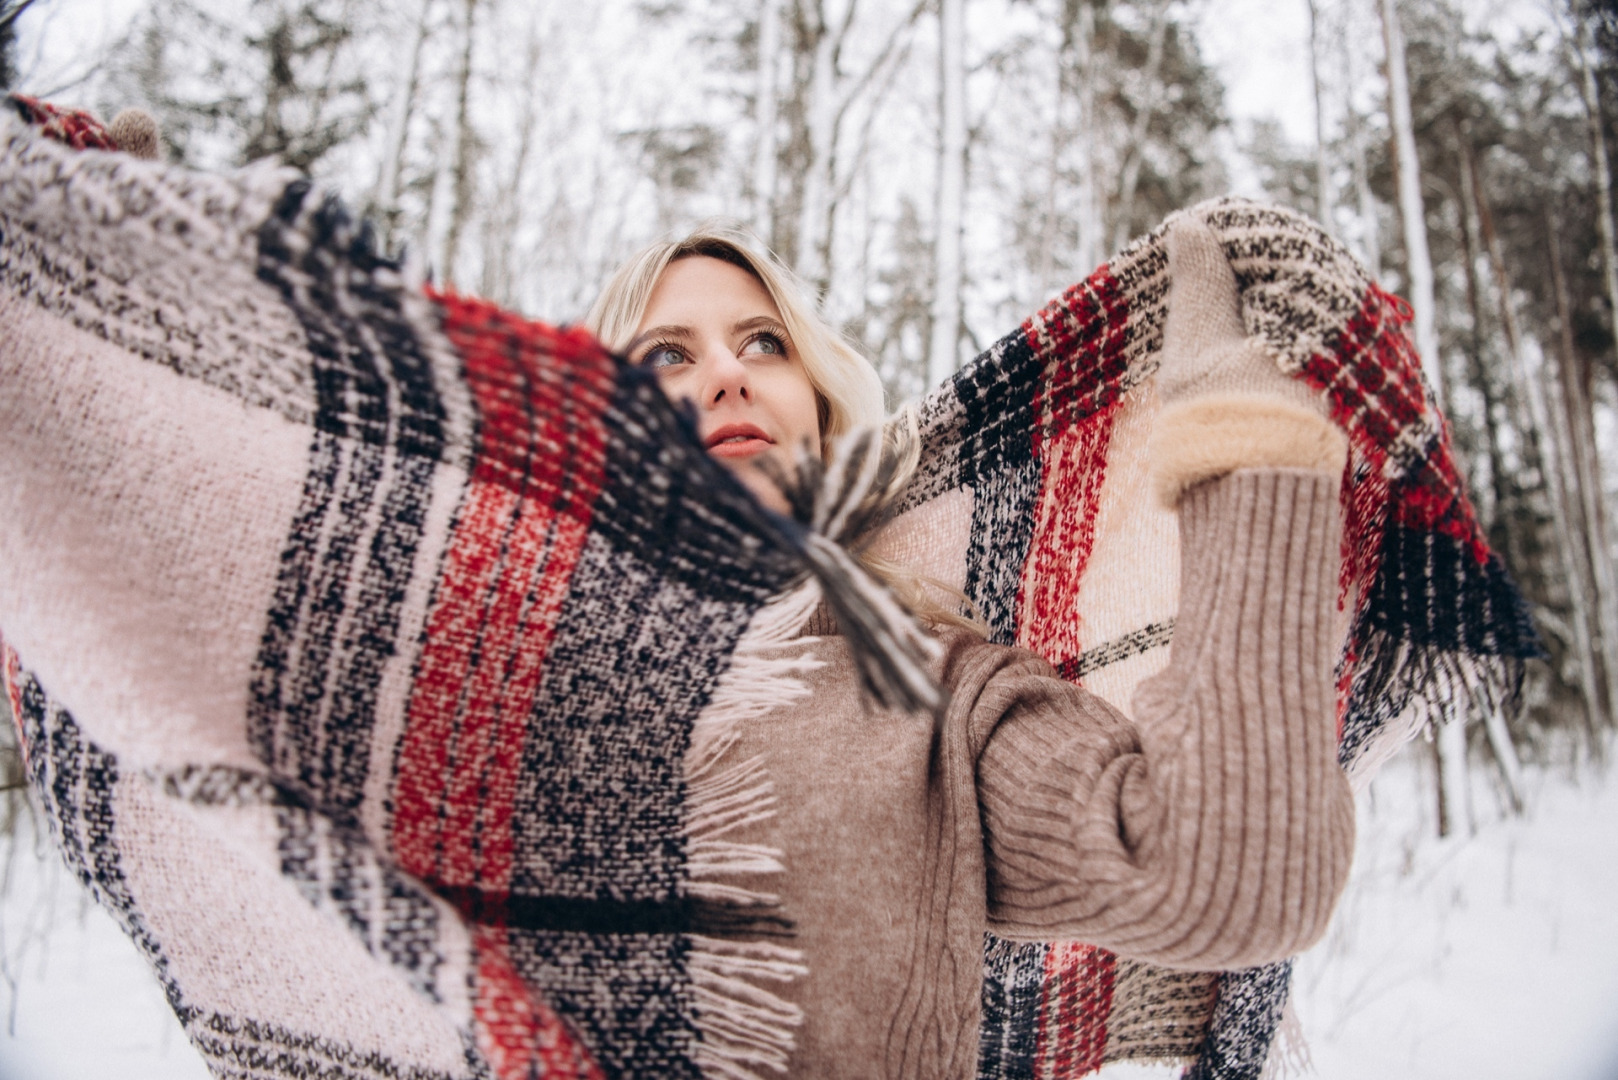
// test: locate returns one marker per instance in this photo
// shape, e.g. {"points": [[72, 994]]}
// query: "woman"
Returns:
{"points": [[369, 700], [1217, 834]]}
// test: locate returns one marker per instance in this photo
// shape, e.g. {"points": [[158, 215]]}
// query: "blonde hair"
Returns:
{"points": [[847, 388]]}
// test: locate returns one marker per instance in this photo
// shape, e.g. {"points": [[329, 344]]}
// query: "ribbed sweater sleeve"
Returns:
{"points": [[1218, 832]]}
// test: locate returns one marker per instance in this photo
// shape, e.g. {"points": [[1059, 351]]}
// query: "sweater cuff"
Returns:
{"points": [[1201, 440]]}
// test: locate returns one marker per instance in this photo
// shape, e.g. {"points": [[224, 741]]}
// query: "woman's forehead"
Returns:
{"points": [[700, 285]]}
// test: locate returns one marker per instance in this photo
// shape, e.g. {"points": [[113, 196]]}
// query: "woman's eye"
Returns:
{"points": [[768, 344], [663, 356]]}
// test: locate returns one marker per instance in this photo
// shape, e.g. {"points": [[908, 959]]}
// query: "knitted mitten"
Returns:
{"points": [[136, 133], [1227, 404]]}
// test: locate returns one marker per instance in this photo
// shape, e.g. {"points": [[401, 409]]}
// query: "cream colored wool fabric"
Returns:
{"points": [[1207, 437]]}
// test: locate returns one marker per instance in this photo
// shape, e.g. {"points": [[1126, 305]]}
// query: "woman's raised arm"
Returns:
{"points": [[1217, 830]]}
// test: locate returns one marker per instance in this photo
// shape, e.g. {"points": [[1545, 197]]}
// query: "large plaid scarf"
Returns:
{"points": [[373, 649]]}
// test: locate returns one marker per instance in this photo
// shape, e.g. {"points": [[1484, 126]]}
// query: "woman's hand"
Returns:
{"points": [[1227, 404]]}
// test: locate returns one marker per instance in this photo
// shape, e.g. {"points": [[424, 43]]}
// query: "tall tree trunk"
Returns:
{"points": [[1450, 742], [385, 198], [764, 148], [504, 219], [1089, 189], [1323, 193], [1145, 110], [1499, 736], [812, 264], [461, 177], [1608, 604], [1501, 487], [1419, 260], [1062, 135], [1553, 469], [1370, 240], [944, 342], [1575, 401], [1454, 789], [1045, 263], [1603, 169]]}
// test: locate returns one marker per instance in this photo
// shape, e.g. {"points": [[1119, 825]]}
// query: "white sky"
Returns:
{"points": [[1261, 49]]}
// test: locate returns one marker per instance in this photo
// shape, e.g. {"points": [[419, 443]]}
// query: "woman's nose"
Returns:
{"points": [[725, 377]]}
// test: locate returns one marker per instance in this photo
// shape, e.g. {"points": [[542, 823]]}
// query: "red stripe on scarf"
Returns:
{"points": [[1072, 1036], [504, 580], [1075, 472], [1080, 339], [519, 1031], [541, 396], [1373, 381], [541, 451]]}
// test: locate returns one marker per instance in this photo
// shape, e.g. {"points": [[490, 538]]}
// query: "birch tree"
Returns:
{"points": [[825, 96], [1607, 581], [385, 195], [1419, 263], [1323, 193], [462, 177], [1128, 135], [504, 216], [765, 118], [1070, 243], [1370, 247], [1454, 814], [1151, 94], [1079, 31], [813, 235], [944, 352]]}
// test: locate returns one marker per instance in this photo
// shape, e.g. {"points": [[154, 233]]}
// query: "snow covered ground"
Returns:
{"points": [[1490, 957], [1494, 956]]}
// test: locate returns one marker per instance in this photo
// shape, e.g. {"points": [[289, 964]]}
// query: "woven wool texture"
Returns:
{"points": [[373, 649]]}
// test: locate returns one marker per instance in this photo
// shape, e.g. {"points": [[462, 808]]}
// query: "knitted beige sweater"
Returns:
{"points": [[1039, 811]]}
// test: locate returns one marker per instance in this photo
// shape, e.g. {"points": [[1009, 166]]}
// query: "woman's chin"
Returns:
{"points": [[757, 481]]}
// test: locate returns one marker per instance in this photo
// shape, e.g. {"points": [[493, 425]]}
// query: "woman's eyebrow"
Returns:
{"points": [[754, 322], [656, 332]]}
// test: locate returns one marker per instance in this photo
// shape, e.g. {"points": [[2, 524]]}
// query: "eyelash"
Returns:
{"points": [[775, 336], [778, 337], [659, 346]]}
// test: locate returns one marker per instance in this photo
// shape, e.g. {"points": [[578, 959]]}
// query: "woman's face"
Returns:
{"points": [[715, 338]]}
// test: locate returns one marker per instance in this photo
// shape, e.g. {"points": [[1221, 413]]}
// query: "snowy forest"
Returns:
{"points": [[937, 169]]}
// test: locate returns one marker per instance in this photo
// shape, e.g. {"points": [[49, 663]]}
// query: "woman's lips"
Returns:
{"points": [[737, 441], [740, 448]]}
